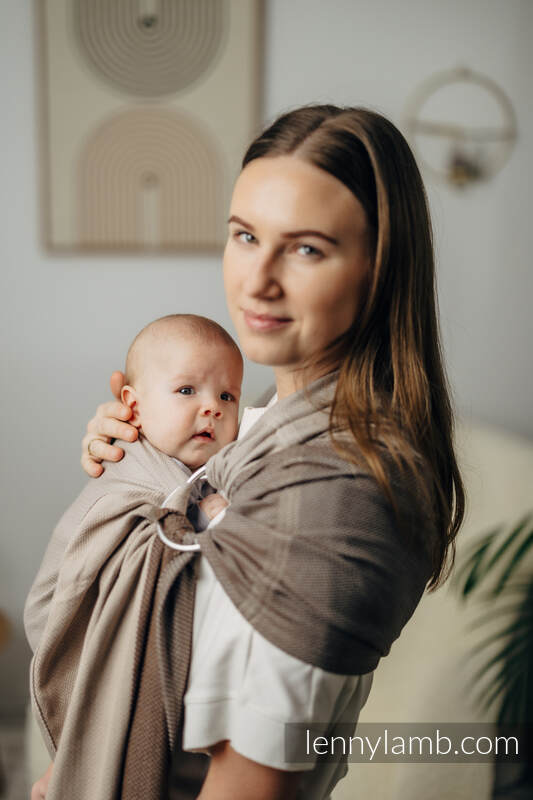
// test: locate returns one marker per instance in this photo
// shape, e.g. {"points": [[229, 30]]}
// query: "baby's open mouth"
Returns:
{"points": [[205, 435]]}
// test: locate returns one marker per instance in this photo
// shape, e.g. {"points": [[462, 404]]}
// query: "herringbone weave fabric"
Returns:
{"points": [[88, 616], [309, 551], [153, 728]]}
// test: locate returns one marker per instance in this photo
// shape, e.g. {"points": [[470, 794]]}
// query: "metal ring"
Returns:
{"points": [[175, 545], [200, 474]]}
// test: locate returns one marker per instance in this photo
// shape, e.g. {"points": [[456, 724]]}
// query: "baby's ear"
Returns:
{"points": [[128, 395]]}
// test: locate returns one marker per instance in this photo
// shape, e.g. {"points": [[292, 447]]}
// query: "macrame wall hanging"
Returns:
{"points": [[462, 126]]}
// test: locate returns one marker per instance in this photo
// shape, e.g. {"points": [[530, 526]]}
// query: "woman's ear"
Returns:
{"points": [[128, 395]]}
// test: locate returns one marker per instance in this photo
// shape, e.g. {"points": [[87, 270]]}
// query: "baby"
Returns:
{"points": [[183, 384]]}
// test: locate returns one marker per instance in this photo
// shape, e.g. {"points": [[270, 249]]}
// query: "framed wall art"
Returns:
{"points": [[146, 108]]}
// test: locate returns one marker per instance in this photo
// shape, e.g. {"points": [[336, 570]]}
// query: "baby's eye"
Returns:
{"points": [[227, 397], [245, 237], [309, 250], [186, 390]]}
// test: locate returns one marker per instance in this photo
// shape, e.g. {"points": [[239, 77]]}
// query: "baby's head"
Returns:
{"points": [[183, 384]]}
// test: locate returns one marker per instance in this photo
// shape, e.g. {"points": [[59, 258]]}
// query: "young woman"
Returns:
{"points": [[329, 276]]}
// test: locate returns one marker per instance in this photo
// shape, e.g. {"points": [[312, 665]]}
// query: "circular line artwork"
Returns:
{"points": [[151, 47]]}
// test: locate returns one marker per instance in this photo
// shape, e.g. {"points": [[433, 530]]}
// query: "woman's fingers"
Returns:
{"points": [[117, 381], [113, 408], [94, 451], [100, 449], [111, 428], [110, 422], [91, 467]]}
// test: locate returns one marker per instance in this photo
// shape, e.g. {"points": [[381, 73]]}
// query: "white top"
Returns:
{"points": [[245, 689]]}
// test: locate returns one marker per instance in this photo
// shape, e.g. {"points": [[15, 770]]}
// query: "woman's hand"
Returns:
{"points": [[109, 423], [39, 788]]}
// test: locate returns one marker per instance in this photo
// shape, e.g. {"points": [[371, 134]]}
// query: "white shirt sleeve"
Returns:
{"points": [[244, 689]]}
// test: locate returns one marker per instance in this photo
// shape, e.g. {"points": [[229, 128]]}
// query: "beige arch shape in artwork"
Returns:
{"points": [[150, 179]]}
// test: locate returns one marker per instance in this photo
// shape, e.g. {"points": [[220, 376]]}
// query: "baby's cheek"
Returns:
{"points": [[230, 434]]}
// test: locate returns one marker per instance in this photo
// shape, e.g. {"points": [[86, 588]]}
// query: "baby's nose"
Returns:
{"points": [[212, 410]]}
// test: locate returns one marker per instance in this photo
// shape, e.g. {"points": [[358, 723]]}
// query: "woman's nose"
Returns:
{"points": [[262, 279]]}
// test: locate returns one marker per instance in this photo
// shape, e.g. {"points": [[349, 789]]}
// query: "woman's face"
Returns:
{"points": [[296, 262]]}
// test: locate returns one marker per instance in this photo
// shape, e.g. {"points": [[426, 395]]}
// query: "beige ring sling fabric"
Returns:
{"points": [[308, 551]]}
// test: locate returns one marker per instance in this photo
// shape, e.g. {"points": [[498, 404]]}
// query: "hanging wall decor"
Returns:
{"points": [[147, 106], [462, 126]]}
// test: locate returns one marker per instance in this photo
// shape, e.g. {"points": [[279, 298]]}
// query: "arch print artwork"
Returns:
{"points": [[146, 108], [149, 176]]}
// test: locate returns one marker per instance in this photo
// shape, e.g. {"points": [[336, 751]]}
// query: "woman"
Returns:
{"points": [[329, 278]]}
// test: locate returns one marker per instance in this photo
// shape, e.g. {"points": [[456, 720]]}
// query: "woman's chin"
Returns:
{"points": [[268, 355]]}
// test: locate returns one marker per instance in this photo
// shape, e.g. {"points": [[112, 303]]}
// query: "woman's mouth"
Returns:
{"points": [[264, 322]]}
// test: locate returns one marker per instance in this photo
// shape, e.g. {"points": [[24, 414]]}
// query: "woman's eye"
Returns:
{"points": [[227, 396], [308, 250], [186, 390], [245, 237]]}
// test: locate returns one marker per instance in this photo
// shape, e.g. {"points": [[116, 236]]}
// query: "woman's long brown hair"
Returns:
{"points": [[392, 393]]}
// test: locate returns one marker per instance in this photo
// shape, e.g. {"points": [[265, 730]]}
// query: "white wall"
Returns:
{"points": [[374, 53], [67, 321]]}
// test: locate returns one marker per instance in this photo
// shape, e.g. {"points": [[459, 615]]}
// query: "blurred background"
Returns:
{"points": [[67, 320]]}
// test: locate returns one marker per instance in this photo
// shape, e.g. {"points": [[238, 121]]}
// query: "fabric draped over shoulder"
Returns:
{"points": [[308, 549]]}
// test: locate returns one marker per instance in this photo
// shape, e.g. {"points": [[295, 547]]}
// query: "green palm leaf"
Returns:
{"points": [[506, 676], [518, 555], [478, 564]]}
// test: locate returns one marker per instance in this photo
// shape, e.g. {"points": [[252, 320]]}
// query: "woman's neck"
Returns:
{"points": [[286, 383], [289, 380]]}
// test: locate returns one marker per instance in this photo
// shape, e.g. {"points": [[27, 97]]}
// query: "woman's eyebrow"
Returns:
{"points": [[319, 234], [240, 221], [290, 234]]}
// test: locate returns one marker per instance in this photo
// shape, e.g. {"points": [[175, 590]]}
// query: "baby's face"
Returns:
{"points": [[188, 398]]}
